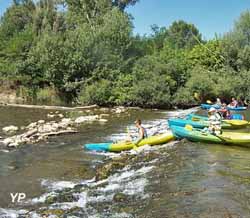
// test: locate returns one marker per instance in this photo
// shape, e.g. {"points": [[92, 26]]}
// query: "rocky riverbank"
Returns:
{"points": [[41, 130]]}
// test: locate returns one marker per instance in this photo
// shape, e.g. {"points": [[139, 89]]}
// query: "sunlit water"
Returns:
{"points": [[182, 180]]}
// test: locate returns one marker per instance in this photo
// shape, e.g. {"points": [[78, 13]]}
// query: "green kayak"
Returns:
{"points": [[195, 135]]}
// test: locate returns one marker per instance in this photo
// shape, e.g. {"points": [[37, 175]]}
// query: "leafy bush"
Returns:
{"points": [[99, 93]]}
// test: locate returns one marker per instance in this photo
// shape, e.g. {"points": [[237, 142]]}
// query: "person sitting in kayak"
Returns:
{"points": [[141, 131], [214, 119], [234, 103], [223, 110]]}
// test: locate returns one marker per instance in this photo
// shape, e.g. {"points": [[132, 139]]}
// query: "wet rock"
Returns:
{"points": [[119, 110], [75, 211], [60, 115], [62, 197], [103, 120], [39, 131], [120, 197], [83, 119], [65, 197], [127, 209], [105, 171], [32, 125], [104, 109], [78, 188], [10, 129], [66, 122], [51, 212], [7, 141], [50, 200], [51, 115], [41, 121]]}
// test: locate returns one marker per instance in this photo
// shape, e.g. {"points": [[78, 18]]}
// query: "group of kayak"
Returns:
{"points": [[197, 128], [233, 106], [211, 128]]}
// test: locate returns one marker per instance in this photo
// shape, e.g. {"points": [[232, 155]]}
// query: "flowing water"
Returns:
{"points": [[179, 179]]}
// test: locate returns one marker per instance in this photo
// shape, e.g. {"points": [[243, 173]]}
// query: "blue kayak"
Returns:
{"points": [[182, 122], [98, 146], [208, 106], [200, 124]]}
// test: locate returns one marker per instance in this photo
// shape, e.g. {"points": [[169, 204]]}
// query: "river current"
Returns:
{"points": [[176, 180]]}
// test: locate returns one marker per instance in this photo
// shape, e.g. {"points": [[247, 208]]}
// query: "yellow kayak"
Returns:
{"points": [[123, 146]]}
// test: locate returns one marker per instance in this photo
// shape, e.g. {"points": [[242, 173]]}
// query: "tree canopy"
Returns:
{"points": [[85, 52]]}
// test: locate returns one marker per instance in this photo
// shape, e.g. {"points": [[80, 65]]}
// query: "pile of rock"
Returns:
{"points": [[90, 118], [119, 110], [55, 115], [39, 131]]}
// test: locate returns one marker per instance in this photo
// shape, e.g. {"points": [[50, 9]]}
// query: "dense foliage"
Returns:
{"points": [[84, 51]]}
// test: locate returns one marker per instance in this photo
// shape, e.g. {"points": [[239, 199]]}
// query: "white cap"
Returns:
{"points": [[212, 109]]}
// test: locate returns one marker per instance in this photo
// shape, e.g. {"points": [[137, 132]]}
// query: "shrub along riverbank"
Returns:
{"points": [[84, 52]]}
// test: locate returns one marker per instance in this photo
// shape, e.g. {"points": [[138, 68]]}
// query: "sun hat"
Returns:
{"points": [[212, 109]]}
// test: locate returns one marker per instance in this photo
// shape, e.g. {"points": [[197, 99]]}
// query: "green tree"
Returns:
{"points": [[183, 35], [208, 54]]}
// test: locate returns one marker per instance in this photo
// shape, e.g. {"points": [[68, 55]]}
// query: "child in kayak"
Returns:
{"points": [[214, 119], [142, 133]]}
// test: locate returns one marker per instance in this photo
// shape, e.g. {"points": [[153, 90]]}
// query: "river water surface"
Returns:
{"points": [[180, 179]]}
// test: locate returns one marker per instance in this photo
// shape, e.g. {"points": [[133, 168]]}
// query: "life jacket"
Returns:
{"points": [[145, 135], [237, 117], [215, 119]]}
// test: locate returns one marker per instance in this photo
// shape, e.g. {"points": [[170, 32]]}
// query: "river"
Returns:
{"points": [[179, 179]]}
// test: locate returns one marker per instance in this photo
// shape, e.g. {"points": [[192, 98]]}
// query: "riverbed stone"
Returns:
{"points": [[51, 212], [10, 129], [106, 170], [32, 125], [51, 115], [60, 115], [41, 121], [120, 197], [83, 119], [103, 120]]}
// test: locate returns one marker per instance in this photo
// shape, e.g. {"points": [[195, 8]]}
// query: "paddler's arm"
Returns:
{"points": [[129, 135]]}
